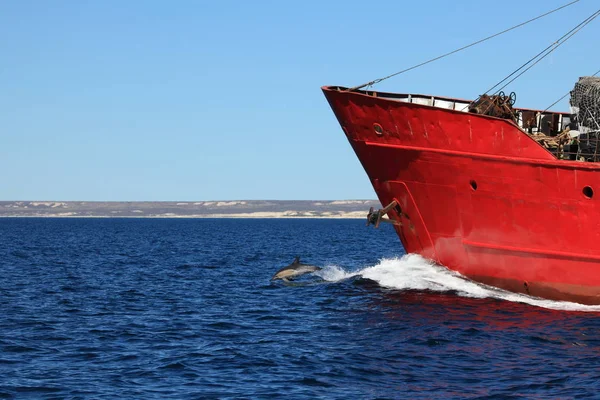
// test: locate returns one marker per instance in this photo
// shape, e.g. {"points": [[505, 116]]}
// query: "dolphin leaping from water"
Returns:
{"points": [[294, 270]]}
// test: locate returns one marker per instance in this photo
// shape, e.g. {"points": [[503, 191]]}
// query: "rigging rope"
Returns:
{"points": [[540, 54], [538, 57], [551, 48], [462, 48]]}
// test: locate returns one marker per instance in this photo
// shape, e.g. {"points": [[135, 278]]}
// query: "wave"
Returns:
{"points": [[413, 272]]}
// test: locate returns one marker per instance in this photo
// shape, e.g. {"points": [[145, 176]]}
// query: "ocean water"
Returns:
{"points": [[185, 309]]}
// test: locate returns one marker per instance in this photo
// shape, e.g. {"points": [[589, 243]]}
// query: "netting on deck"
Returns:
{"points": [[585, 104]]}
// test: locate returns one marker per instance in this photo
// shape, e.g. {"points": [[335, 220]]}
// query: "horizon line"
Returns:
{"points": [[176, 201]]}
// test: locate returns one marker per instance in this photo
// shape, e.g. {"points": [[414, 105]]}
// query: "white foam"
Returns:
{"points": [[414, 272], [333, 273]]}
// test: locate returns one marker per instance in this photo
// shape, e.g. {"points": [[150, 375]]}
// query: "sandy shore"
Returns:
{"points": [[332, 209]]}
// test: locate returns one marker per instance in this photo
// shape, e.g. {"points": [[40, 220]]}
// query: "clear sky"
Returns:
{"points": [[214, 100]]}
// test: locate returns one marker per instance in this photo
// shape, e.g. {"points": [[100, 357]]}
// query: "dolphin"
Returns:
{"points": [[294, 270]]}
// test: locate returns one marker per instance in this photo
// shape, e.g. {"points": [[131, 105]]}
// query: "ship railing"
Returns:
{"points": [[572, 145], [546, 127], [531, 121]]}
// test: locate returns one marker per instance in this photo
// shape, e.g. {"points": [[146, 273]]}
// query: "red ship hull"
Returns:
{"points": [[478, 195]]}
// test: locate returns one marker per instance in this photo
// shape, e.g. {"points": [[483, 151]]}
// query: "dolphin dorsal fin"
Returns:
{"points": [[296, 260]]}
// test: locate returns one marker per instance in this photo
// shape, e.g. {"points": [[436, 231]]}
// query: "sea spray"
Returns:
{"points": [[413, 272]]}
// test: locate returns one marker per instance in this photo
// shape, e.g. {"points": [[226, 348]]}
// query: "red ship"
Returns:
{"points": [[506, 196], [489, 197]]}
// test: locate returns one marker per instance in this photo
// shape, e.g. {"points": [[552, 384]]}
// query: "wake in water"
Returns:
{"points": [[414, 272]]}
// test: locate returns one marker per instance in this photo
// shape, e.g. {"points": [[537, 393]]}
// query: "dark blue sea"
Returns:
{"points": [[185, 309]]}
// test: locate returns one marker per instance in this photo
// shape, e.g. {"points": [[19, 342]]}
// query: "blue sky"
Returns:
{"points": [[214, 100]]}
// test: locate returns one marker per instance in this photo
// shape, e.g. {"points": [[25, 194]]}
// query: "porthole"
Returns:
{"points": [[378, 129], [473, 185], [588, 192]]}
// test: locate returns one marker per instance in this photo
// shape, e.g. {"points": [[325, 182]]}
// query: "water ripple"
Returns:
{"points": [[159, 309]]}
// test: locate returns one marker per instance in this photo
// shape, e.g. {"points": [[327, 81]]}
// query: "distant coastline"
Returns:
{"points": [[333, 209]]}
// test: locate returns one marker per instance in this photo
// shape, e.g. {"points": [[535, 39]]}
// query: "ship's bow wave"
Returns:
{"points": [[413, 272]]}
